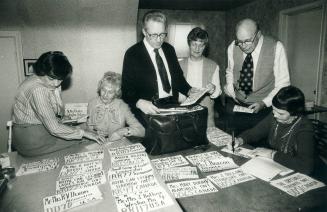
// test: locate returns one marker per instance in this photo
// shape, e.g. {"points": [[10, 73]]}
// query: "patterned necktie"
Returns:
{"points": [[246, 75], [162, 72]]}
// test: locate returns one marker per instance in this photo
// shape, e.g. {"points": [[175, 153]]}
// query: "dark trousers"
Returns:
{"points": [[240, 122]]}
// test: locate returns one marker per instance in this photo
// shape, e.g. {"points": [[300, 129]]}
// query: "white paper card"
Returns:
{"points": [[218, 137], [80, 181], [240, 151], [216, 164], [167, 162], [84, 156], [38, 166], [71, 199], [129, 160], [80, 168], [191, 188], [197, 158], [129, 149], [240, 109], [229, 178], [179, 173], [296, 184]]}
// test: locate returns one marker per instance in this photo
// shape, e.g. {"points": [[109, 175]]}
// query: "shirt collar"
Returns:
{"points": [[258, 47], [148, 47]]}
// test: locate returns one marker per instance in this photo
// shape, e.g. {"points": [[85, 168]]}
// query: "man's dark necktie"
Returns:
{"points": [[162, 72], [246, 75]]}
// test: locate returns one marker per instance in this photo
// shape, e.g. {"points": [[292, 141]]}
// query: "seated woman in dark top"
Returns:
{"points": [[37, 127], [287, 132]]}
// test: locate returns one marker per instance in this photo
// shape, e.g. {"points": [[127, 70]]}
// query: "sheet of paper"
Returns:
{"points": [[197, 158], [263, 168], [167, 162], [38, 166], [80, 168], [241, 109], [129, 149], [240, 151], [80, 181], [230, 177], [129, 171], [216, 164], [191, 188], [84, 156], [71, 199], [75, 110], [128, 160], [4, 160], [179, 173], [218, 137], [194, 97], [296, 184]]}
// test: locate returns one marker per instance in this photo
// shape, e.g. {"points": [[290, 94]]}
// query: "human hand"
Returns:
{"points": [[256, 107], [263, 152], [146, 107], [115, 136], [238, 142], [211, 88], [94, 137]]}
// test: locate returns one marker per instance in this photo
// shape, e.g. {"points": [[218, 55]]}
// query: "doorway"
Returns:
{"points": [[11, 75], [302, 31]]}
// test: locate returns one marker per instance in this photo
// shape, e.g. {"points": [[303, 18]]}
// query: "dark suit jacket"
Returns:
{"points": [[139, 80]]}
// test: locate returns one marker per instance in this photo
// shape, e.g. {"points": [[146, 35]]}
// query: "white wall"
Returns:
{"points": [[94, 34]]}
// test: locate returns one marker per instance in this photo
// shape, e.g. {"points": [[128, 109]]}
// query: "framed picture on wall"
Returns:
{"points": [[28, 66]]}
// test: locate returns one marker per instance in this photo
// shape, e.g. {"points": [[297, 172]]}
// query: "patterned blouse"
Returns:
{"points": [[36, 103]]}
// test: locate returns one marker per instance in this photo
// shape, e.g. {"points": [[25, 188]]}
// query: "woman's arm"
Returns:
{"points": [[134, 126]]}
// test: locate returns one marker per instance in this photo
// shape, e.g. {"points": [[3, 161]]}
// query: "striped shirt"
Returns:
{"points": [[36, 103]]}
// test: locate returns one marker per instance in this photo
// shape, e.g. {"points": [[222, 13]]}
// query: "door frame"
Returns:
{"points": [[283, 25], [19, 51]]}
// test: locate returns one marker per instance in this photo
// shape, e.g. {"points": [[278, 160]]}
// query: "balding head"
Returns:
{"points": [[246, 27], [247, 34]]}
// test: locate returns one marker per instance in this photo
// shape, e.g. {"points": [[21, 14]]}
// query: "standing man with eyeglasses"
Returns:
{"points": [[257, 69], [151, 69]]}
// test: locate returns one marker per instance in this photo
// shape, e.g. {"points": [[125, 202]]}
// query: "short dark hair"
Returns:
{"points": [[53, 64], [291, 99], [154, 15], [198, 34]]}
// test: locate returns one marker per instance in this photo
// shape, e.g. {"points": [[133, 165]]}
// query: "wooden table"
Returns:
{"points": [[255, 195], [25, 193]]}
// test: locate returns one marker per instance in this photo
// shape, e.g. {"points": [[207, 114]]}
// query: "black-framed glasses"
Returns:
{"points": [[155, 35], [246, 42]]}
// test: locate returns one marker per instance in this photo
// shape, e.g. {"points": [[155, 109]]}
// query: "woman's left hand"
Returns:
{"points": [[263, 152], [211, 88], [115, 137]]}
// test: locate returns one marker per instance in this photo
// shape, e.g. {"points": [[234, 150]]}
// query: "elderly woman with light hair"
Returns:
{"points": [[109, 116]]}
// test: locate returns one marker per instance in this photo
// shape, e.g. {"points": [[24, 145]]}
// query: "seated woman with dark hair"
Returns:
{"points": [[37, 107], [287, 133], [110, 116]]}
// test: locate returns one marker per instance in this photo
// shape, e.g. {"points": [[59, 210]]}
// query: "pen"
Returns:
{"points": [[233, 141]]}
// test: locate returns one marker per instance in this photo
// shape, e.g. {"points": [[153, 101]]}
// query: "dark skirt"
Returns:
{"points": [[35, 140]]}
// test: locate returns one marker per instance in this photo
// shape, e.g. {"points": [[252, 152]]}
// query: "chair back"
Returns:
{"points": [[9, 125], [320, 129]]}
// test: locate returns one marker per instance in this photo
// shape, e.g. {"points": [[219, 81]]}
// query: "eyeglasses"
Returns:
{"points": [[246, 42], [155, 36]]}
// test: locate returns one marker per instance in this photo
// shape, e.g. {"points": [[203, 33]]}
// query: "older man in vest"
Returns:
{"points": [[257, 69]]}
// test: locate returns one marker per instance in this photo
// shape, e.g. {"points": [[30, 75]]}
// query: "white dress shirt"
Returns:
{"points": [[152, 54], [194, 76], [281, 71]]}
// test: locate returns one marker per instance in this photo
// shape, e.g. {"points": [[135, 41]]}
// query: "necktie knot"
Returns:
{"points": [[156, 51]]}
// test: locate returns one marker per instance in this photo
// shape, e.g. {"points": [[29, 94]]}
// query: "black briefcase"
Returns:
{"points": [[172, 132]]}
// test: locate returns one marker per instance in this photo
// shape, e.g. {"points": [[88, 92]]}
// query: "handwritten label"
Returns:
{"points": [[179, 173], [84, 156], [167, 162], [240, 109], [130, 149], [38, 166], [218, 137], [80, 168], [71, 199], [80, 181], [129, 171], [128, 160], [231, 177], [197, 158], [296, 184], [216, 164], [191, 188], [75, 110]]}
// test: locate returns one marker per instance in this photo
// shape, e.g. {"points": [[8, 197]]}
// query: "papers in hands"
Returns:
{"points": [[75, 113], [241, 109], [194, 97]]}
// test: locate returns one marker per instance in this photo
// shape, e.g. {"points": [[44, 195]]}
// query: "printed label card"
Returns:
{"points": [[128, 160], [229, 178], [216, 164], [179, 173], [80, 181], [80, 168], [168, 162], [296, 184], [71, 199], [148, 200], [191, 188], [84, 156], [134, 148], [38, 166], [197, 158]]}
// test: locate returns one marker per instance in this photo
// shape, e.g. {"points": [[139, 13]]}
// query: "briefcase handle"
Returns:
{"points": [[177, 122]]}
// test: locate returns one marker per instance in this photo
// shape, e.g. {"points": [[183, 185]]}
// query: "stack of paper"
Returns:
{"points": [[168, 162], [38, 166]]}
